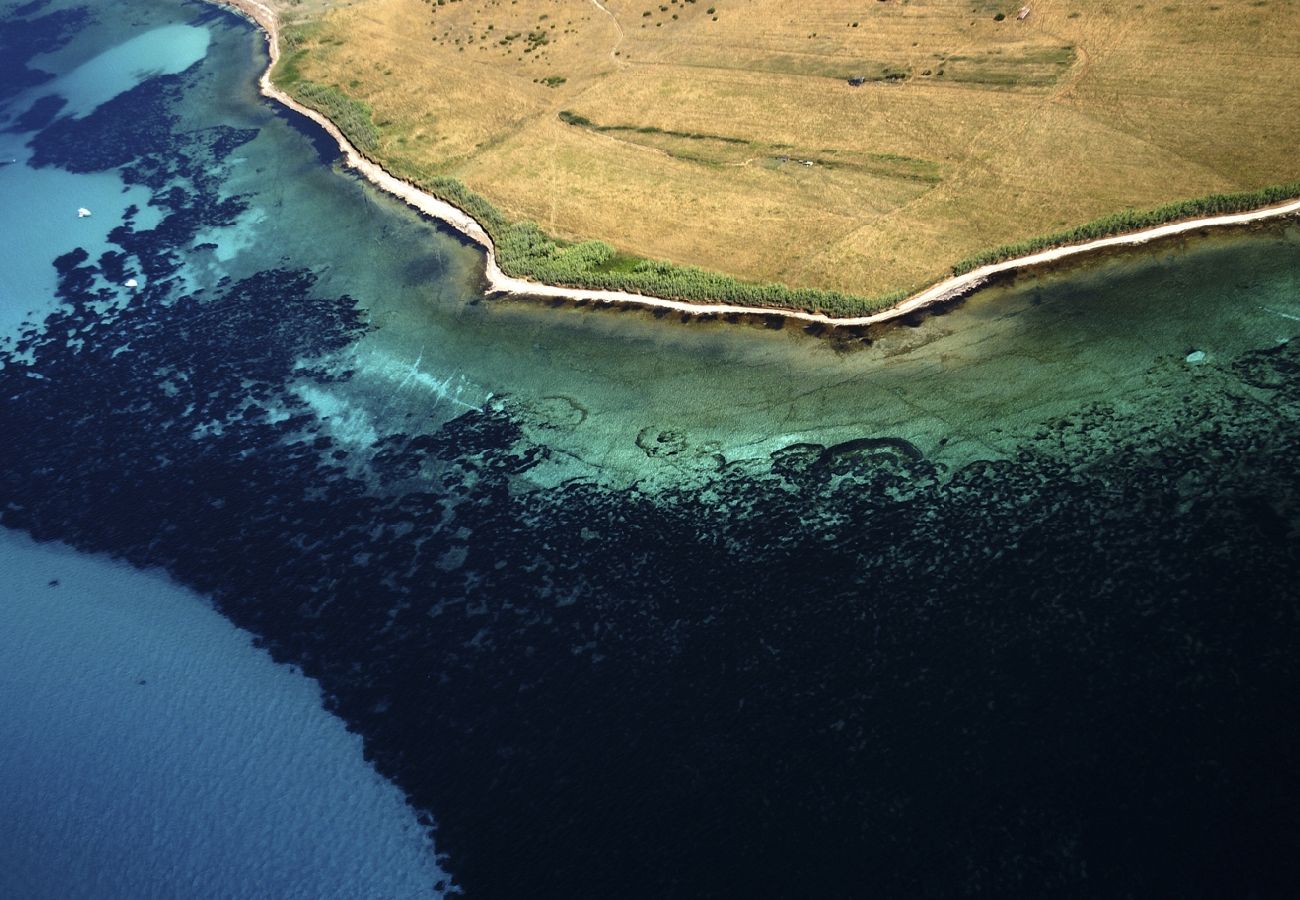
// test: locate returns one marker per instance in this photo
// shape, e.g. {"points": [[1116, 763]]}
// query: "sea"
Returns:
{"points": [[324, 574]]}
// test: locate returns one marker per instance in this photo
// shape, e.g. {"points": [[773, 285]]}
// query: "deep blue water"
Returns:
{"points": [[151, 751], [1002, 603]]}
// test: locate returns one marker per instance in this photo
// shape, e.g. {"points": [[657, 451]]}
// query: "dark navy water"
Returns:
{"points": [[1003, 603]]}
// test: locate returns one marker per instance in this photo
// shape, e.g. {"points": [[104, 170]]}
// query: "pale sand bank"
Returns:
{"points": [[499, 282]]}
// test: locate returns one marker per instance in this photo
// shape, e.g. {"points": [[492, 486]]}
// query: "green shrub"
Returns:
{"points": [[1134, 220], [351, 116], [572, 118], [525, 251]]}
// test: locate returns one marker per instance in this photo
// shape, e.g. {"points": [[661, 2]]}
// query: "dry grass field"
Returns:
{"points": [[725, 133]]}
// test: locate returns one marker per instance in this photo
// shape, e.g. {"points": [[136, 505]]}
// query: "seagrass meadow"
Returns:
{"points": [[323, 575], [834, 156]]}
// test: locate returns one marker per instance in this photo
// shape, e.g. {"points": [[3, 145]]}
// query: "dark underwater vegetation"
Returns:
{"points": [[860, 663]]}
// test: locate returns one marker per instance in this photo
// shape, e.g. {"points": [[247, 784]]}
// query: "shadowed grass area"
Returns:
{"points": [[726, 150]]}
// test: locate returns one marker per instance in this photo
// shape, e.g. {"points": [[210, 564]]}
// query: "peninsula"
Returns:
{"points": [[755, 157]]}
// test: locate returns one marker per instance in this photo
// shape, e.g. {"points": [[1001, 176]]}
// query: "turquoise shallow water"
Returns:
{"points": [[999, 602], [152, 750]]}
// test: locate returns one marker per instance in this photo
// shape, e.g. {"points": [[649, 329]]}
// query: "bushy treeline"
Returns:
{"points": [[351, 116], [1135, 220], [525, 251]]}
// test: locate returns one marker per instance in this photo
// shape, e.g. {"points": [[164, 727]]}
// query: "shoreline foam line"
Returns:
{"points": [[500, 282]]}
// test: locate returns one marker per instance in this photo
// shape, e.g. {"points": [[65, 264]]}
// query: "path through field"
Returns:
{"points": [[613, 53]]}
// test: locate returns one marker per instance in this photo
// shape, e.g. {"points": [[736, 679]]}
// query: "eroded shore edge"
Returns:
{"points": [[499, 282]]}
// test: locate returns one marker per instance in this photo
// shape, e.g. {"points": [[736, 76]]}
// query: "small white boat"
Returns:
{"points": [[82, 213], [131, 283]]}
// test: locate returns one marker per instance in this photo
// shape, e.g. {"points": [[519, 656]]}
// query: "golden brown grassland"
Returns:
{"points": [[724, 134]]}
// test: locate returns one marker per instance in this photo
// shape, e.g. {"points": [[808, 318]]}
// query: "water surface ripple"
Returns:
{"points": [[1002, 603]]}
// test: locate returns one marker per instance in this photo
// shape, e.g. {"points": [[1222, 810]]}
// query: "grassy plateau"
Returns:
{"points": [[831, 156]]}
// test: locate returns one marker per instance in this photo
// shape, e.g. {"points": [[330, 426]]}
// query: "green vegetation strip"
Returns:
{"points": [[525, 251], [352, 117], [572, 118], [884, 165], [1135, 220]]}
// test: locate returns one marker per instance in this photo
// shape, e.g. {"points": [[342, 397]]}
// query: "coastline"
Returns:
{"points": [[501, 283]]}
